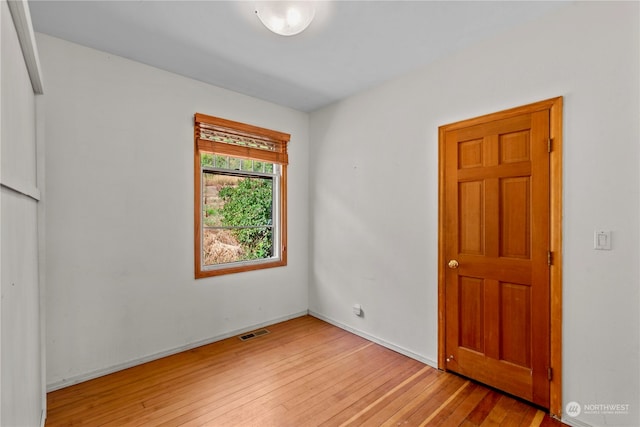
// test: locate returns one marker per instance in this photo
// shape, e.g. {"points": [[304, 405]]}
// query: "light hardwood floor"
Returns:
{"points": [[305, 372]]}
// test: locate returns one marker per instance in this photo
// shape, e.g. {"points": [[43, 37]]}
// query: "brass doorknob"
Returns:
{"points": [[453, 264]]}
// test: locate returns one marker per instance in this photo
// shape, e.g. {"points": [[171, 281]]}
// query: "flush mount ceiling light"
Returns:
{"points": [[286, 18]]}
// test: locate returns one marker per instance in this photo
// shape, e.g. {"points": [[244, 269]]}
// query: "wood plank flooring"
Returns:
{"points": [[305, 372]]}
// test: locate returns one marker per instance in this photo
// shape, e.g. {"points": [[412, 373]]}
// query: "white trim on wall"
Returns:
{"points": [[28, 191], [22, 21], [397, 349], [574, 422], [40, 183], [121, 366]]}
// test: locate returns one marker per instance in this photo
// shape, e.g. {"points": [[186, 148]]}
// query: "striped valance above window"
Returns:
{"points": [[222, 136]]}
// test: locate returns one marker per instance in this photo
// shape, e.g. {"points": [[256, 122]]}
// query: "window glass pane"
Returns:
{"points": [[219, 246], [244, 201], [206, 159], [222, 246], [241, 210], [222, 162], [212, 203], [234, 163]]}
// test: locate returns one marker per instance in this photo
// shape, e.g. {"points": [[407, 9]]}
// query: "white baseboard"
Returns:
{"points": [[377, 340], [574, 422], [121, 366]]}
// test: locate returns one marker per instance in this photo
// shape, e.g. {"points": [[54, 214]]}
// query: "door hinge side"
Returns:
{"points": [[549, 258], [549, 140], [549, 374]]}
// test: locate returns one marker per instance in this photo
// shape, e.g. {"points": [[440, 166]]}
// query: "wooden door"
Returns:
{"points": [[495, 247]]}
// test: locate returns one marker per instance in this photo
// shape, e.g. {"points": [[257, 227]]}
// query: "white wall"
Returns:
{"points": [[21, 391], [119, 220], [374, 192]]}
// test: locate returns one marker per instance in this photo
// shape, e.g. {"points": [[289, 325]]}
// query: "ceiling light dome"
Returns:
{"points": [[286, 18]]}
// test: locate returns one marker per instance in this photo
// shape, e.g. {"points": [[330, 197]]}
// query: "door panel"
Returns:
{"points": [[515, 324], [471, 320], [496, 226], [471, 232], [515, 217]]}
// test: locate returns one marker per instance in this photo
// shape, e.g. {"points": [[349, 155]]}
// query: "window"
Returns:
{"points": [[240, 181]]}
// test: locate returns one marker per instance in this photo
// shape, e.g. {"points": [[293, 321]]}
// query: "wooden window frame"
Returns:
{"points": [[254, 143]]}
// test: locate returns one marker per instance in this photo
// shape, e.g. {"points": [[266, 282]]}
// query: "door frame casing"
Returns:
{"points": [[554, 105]]}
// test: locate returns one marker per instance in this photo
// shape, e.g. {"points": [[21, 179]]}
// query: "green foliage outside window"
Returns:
{"points": [[249, 204], [235, 163]]}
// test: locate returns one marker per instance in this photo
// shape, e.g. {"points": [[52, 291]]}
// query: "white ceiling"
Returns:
{"points": [[350, 46]]}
